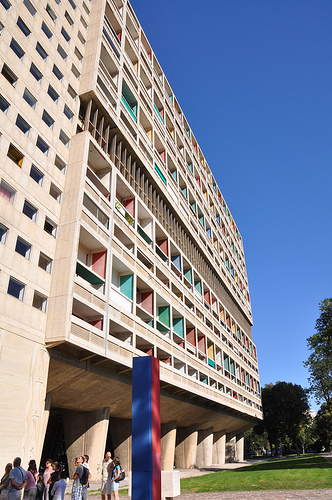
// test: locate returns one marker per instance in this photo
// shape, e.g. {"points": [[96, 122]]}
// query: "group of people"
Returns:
{"points": [[48, 486], [51, 485], [110, 477]]}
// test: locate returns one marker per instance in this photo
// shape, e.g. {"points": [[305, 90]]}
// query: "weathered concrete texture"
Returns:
{"points": [[186, 447], [239, 448], [168, 441], [230, 447], [219, 443], [120, 429], [85, 433], [204, 447]]}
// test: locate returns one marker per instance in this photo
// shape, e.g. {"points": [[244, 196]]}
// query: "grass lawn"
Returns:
{"points": [[300, 473]]}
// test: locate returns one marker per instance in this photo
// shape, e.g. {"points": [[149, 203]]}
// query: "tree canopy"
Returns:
{"points": [[319, 363]]}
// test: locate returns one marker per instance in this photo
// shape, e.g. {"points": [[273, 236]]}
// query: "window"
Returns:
{"points": [[78, 54], [41, 51], [9, 75], [62, 52], [85, 7], [57, 72], [28, 97], [46, 30], [81, 37], [50, 227], [129, 100], [64, 138], [45, 262], [7, 192], [53, 93], [72, 92], [72, 4], [36, 73], [65, 34], [51, 12], [41, 144], [22, 125], [55, 192], [60, 164], [4, 105], [36, 175], [39, 301], [15, 155], [23, 27], [30, 211], [48, 119], [30, 7], [69, 19], [5, 3], [16, 288], [17, 49], [68, 112], [75, 71], [1, 27], [3, 233], [83, 21], [23, 248]]}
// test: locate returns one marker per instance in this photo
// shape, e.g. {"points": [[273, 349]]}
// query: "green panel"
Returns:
{"points": [[88, 275], [157, 110], [198, 286], [159, 172], [175, 175], [184, 192], [161, 253], [190, 166], [164, 315], [188, 275], [127, 285], [226, 363], [211, 363], [201, 220], [238, 334], [142, 233], [247, 379], [204, 380], [178, 326], [232, 368], [193, 206], [251, 348]]}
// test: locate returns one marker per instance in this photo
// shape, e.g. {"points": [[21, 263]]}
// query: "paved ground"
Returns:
{"points": [[242, 495]]}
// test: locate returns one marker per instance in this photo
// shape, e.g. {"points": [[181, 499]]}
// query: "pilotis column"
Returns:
{"points": [[120, 429], [239, 448], [168, 440], [204, 447], [186, 447], [230, 447], [219, 445]]}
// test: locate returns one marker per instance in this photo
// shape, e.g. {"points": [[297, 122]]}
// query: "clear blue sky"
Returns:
{"points": [[254, 81]]}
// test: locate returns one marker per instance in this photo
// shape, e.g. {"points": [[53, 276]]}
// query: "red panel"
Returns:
{"points": [[201, 344], [147, 301], [163, 245], [162, 155], [130, 206], [99, 263], [190, 336], [207, 297], [97, 323]]}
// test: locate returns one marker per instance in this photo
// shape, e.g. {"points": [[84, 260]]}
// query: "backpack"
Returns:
{"points": [[121, 476], [85, 476]]}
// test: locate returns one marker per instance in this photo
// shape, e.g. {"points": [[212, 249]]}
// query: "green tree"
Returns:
{"points": [[319, 363], [323, 426], [285, 409]]}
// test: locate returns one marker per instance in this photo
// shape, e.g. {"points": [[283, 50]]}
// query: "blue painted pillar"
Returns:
{"points": [[146, 448]]}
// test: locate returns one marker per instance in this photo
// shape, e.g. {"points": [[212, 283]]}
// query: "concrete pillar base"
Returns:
{"points": [[219, 445], [239, 448], [120, 429], [170, 484], [186, 447], [85, 433], [204, 447], [168, 440], [230, 447]]}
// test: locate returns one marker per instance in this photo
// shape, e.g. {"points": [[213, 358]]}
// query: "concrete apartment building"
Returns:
{"points": [[115, 242]]}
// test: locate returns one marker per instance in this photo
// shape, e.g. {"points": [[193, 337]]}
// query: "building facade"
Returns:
{"points": [[115, 242]]}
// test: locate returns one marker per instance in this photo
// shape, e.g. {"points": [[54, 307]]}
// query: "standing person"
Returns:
{"points": [[85, 486], [59, 488], [40, 487], [53, 478], [76, 492], [33, 469], [110, 468], [115, 475], [104, 475], [18, 480], [31, 488], [5, 482], [47, 472]]}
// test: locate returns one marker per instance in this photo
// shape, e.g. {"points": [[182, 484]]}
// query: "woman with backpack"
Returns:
{"points": [[115, 477]]}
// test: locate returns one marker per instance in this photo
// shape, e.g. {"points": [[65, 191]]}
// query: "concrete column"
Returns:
{"points": [[219, 445], [120, 429], [86, 433], [230, 447], [239, 448], [204, 447], [168, 440], [186, 447]]}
